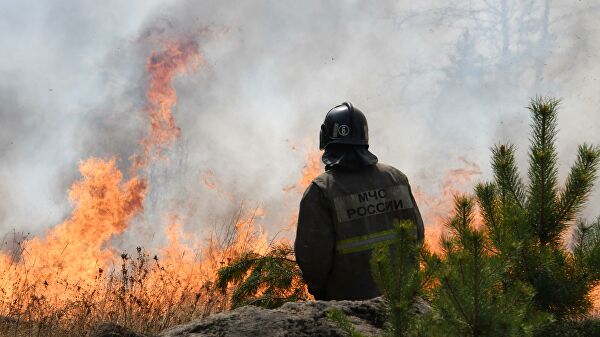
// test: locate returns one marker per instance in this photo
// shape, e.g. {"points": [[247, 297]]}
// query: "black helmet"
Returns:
{"points": [[344, 124]]}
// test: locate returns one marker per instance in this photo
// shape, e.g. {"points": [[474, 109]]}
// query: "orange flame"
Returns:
{"points": [[103, 207], [312, 168], [436, 208], [75, 249], [177, 58]]}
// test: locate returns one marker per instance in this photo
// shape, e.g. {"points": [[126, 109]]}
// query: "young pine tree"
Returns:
{"points": [[401, 279], [473, 298], [527, 223]]}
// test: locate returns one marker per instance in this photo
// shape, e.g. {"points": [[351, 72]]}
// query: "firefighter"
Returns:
{"points": [[348, 210]]}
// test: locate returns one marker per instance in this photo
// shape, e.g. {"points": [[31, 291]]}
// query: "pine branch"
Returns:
{"points": [[586, 241], [507, 175], [267, 280], [489, 204], [580, 236], [456, 300], [579, 184], [236, 271], [463, 208], [486, 197], [398, 276], [543, 168], [342, 321]]}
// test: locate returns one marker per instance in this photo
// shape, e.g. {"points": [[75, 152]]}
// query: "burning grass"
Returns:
{"points": [[142, 291]]}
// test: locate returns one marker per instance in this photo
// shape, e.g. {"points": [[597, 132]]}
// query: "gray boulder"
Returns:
{"points": [[290, 320]]}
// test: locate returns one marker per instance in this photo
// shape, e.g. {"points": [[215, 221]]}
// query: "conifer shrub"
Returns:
{"points": [[401, 278], [403, 271], [473, 297], [268, 280], [527, 223]]}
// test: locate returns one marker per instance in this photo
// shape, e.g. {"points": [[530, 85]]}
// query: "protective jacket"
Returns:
{"points": [[343, 215]]}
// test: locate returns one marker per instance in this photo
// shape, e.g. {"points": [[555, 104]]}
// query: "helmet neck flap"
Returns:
{"points": [[348, 157]]}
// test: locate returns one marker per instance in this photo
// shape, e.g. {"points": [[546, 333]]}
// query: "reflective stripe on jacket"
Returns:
{"points": [[343, 216]]}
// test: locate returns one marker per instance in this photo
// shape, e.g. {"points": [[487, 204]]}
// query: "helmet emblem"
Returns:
{"points": [[344, 130]]}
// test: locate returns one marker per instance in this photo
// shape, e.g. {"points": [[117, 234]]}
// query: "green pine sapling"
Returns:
{"points": [[528, 223]]}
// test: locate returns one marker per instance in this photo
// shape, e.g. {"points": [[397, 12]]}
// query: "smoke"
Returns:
{"points": [[54, 81], [440, 82]]}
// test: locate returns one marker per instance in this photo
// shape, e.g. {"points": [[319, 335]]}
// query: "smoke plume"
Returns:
{"points": [[440, 82]]}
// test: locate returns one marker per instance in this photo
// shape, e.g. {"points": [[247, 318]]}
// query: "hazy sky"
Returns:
{"points": [[439, 81]]}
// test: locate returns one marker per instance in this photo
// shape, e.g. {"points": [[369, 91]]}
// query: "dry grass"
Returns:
{"points": [[142, 292]]}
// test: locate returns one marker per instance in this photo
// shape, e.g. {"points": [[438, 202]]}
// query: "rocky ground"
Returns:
{"points": [[290, 320]]}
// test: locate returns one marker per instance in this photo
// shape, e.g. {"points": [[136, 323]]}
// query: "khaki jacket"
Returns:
{"points": [[343, 216]]}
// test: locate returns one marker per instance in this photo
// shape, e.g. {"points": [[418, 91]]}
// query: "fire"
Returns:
{"points": [[189, 265], [435, 209], [72, 273], [104, 204], [50, 273], [312, 168], [177, 58]]}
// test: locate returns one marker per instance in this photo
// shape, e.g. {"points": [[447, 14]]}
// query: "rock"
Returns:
{"points": [[291, 320], [113, 330]]}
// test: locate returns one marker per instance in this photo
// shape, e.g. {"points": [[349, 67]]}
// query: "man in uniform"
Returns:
{"points": [[348, 210]]}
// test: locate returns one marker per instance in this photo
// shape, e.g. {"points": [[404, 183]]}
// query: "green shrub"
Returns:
{"points": [[397, 271], [527, 223], [473, 297], [268, 280]]}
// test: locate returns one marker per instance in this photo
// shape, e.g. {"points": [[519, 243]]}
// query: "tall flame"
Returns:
{"points": [[104, 205], [176, 58]]}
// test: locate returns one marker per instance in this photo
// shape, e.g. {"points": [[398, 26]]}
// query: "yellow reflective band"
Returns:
{"points": [[366, 242]]}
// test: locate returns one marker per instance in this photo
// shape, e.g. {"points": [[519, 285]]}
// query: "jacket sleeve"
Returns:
{"points": [[315, 241], [419, 219]]}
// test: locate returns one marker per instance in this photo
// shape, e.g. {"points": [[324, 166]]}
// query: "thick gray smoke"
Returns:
{"points": [[440, 82]]}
